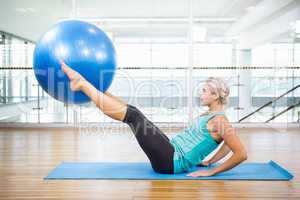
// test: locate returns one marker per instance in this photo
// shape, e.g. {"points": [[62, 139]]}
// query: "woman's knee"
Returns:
{"points": [[132, 113]]}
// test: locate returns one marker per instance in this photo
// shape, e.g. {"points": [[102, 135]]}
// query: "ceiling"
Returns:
{"points": [[249, 21]]}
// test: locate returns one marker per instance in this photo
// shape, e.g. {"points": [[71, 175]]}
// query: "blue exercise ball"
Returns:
{"points": [[82, 46]]}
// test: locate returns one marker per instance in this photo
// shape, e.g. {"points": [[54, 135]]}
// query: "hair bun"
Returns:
{"points": [[226, 91]]}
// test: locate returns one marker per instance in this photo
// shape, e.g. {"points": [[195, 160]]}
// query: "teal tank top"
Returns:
{"points": [[193, 144]]}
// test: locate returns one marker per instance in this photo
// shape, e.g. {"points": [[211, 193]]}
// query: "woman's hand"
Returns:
{"points": [[76, 80], [201, 173]]}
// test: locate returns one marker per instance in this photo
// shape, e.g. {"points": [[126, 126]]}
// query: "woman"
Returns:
{"points": [[186, 149]]}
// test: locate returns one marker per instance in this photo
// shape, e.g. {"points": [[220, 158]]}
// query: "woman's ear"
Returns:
{"points": [[215, 96]]}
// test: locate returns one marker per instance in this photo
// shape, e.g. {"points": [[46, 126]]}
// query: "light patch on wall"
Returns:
{"points": [[297, 27], [25, 10], [199, 33]]}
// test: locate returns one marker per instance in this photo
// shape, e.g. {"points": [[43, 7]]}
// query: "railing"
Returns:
{"points": [[269, 103], [174, 107], [10, 35], [284, 111], [184, 68]]}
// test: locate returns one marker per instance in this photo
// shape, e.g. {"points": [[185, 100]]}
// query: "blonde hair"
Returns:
{"points": [[220, 88]]}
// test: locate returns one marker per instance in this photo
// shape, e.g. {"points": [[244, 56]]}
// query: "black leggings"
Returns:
{"points": [[153, 141]]}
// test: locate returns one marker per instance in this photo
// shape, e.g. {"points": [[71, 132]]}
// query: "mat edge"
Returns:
{"points": [[285, 172]]}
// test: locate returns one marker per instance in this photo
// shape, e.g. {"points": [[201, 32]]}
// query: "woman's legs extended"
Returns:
{"points": [[155, 144], [152, 140]]}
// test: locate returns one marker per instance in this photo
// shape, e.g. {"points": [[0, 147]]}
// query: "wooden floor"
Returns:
{"points": [[26, 156]]}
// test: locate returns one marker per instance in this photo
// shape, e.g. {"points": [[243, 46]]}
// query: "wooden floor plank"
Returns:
{"points": [[28, 155]]}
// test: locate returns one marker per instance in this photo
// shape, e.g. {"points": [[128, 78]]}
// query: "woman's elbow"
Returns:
{"points": [[243, 155]]}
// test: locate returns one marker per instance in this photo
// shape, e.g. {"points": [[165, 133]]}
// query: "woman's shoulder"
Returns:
{"points": [[221, 113], [204, 113], [220, 121]]}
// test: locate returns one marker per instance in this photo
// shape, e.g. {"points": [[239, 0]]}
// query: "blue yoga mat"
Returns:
{"points": [[143, 171]]}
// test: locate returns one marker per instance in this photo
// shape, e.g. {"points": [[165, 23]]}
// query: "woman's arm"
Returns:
{"points": [[233, 142], [221, 153], [238, 156]]}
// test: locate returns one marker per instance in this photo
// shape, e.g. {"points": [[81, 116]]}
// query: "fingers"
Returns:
{"points": [[192, 174]]}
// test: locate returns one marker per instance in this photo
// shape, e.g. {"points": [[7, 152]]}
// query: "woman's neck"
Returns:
{"points": [[215, 107]]}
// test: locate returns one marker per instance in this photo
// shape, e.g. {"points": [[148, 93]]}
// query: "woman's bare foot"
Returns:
{"points": [[76, 80]]}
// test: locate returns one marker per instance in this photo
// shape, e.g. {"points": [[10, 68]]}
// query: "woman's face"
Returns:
{"points": [[206, 97]]}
